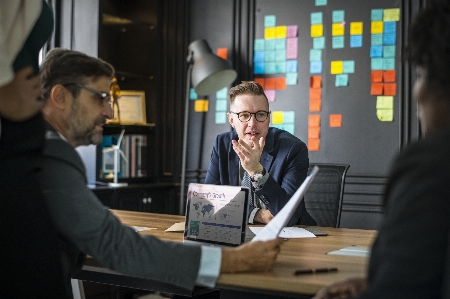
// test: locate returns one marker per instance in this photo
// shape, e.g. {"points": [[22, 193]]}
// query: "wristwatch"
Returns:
{"points": [[258, 176]]}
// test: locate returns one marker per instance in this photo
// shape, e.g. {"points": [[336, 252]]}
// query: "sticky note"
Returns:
{"points": [[341, 80], [349, 66], [389, 38], [222, 94], [376, 63], [291, 78], [292, 48], [269, 56], [280, 44], [313, 132], [292, 30], [389, 76], [270, 94], [376, 76], [270, 21], [316, 18], [337, 29], [315, 67], [277, 117], [388, 51], [315, 55], [289, 117], [258, 45], [376, 51], [280, 67], [259, 68], [337, 67], [376, 89], [269, 68], [259, 56], [337, 42], [316, 81], [376, 27], [356, 41], [270, 45], [270, 83], [314, 120], [269, 33], [321, 2], [289, 128], [280, 83], [376, 39], [313, 144], [192, 94], [221, 105], [390, 27], [338, 16], [315, 105], [280, 55], [316, 30], [390, 89], [221, 118], [376, 15], [315, 93], [388, 63], [385, 114], [260, 81], [335, 120], [201, 105], [291, 66], [391, 14], [385, 102], [319, 43], [222, 53], [356, 28], [280, 31]]}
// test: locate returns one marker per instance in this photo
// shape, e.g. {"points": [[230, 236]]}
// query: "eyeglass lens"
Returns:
{"points": [[259, 115]]}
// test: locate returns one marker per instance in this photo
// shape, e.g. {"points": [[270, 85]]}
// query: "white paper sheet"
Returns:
{"points": [[288, 232]]}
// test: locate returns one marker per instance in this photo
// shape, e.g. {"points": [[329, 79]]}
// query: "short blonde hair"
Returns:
{"points": [[246, 87]]}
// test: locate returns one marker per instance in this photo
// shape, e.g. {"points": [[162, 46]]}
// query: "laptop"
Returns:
{"points": [[216, 215]]}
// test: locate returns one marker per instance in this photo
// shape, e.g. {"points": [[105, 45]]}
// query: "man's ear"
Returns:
{"points": [[230, 119], [59, 96]]}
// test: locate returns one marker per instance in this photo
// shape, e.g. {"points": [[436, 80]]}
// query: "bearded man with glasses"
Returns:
{"points": [[270, 161]]}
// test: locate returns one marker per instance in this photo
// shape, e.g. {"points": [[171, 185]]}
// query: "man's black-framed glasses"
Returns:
{"points": [[245, 116], [104, 97]]}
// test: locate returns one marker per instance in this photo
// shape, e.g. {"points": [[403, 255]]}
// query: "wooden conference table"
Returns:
{"points": [[279, 282]]}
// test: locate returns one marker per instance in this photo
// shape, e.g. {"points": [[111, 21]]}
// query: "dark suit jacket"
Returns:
{"points": [[285, 157], [85, 226], [407, 259]]}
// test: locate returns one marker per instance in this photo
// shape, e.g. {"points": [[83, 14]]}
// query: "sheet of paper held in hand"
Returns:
{"points": [[274, 227]]}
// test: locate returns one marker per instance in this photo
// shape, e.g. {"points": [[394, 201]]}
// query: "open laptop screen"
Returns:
{"points": [[216, 214]]}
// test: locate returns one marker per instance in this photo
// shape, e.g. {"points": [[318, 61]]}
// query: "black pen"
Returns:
{"points": [[312, 271]]}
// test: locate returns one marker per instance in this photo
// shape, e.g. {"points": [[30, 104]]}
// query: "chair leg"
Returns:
{"points": [[77, 289]]}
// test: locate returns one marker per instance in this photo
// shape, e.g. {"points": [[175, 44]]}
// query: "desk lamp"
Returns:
{"points": [[209, 74]]}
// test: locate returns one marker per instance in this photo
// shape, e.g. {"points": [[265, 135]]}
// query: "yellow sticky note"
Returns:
{"points": [[201, 106], [269, 33], [337, 67], [385, 102], [391, 14], [385, 114], [376, 27], [356, 28], [277, 117], [316, 30], [280, 31], [337, 29]]}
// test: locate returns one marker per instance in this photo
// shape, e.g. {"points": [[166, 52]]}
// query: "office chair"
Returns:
{"points": [[323, 200]]}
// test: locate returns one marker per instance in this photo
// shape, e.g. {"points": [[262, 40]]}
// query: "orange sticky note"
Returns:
{"points": [[270, 83], [315, 93], [280, 83], [313, 144], [260, 81], [390, 89], [315, 105], [335, 120], [316, 81], [389, 76], [222, 53], [314, 120], [313, 132], [376, 89], [201, 106], [376, 76]]}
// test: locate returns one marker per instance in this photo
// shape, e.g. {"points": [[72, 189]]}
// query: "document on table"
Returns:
{"points": [[287, 232], [352, 251], [177, 227]]}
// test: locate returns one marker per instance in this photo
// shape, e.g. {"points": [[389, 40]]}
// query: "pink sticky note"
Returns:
{"points": [[292, 48], [292, 31], [270, 94]]}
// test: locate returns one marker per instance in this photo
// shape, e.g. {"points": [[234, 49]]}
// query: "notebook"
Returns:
{"points": [[216, 215]]}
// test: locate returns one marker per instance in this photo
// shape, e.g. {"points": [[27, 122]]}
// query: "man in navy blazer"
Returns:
{"points": [[275, 161]]}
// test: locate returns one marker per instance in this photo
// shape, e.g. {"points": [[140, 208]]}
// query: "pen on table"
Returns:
{"points": [[312, 271]]}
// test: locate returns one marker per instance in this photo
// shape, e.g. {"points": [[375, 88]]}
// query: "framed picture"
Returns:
{"points": [[130, 108]]}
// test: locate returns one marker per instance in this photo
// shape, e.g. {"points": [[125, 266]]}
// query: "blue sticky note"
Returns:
{"points": [[280, 44], [349, 66], [221, 118], [291, 66], [316, 18], [388, 63], [321, 2], [270, 21], [390, 27], [280, 67], [389, 38], [342, 80], [376, 39], [291, 79], [376, 15], [315, 55], [289, 128], [338, 16], [376, 64], [222, 94], [376, 51], [269, 56], [280, 55], [388, 51], [337, 42], [258, 68], [192, 94], [356, 41], [221, 105], [258, 56], [289, 117], [270, 68], [278, 126], [270, 45], [319, 43], [315, 67], [259, 45]]}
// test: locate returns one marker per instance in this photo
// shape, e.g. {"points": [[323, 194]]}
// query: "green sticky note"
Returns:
{"points": [[376, 15], [388, 51], [349, 66], [221, 105], [315, 55], [269, 56], [338, 16], [289, 128], [337, 42], [291, 78], [192, 94], [289, 117], [280, 55], [376, 39], [388, 63], [319, 43], [280, 67], [321, 2], [222, 94], [259, 45], [270, 45], [269, 68], [385, 102], [221, 118], [280, 44], [342, 80], [376, 63], [270, 21], [316, 18]]}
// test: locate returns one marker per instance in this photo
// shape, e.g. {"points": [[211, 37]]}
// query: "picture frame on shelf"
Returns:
{"points": [[129, 109]]}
